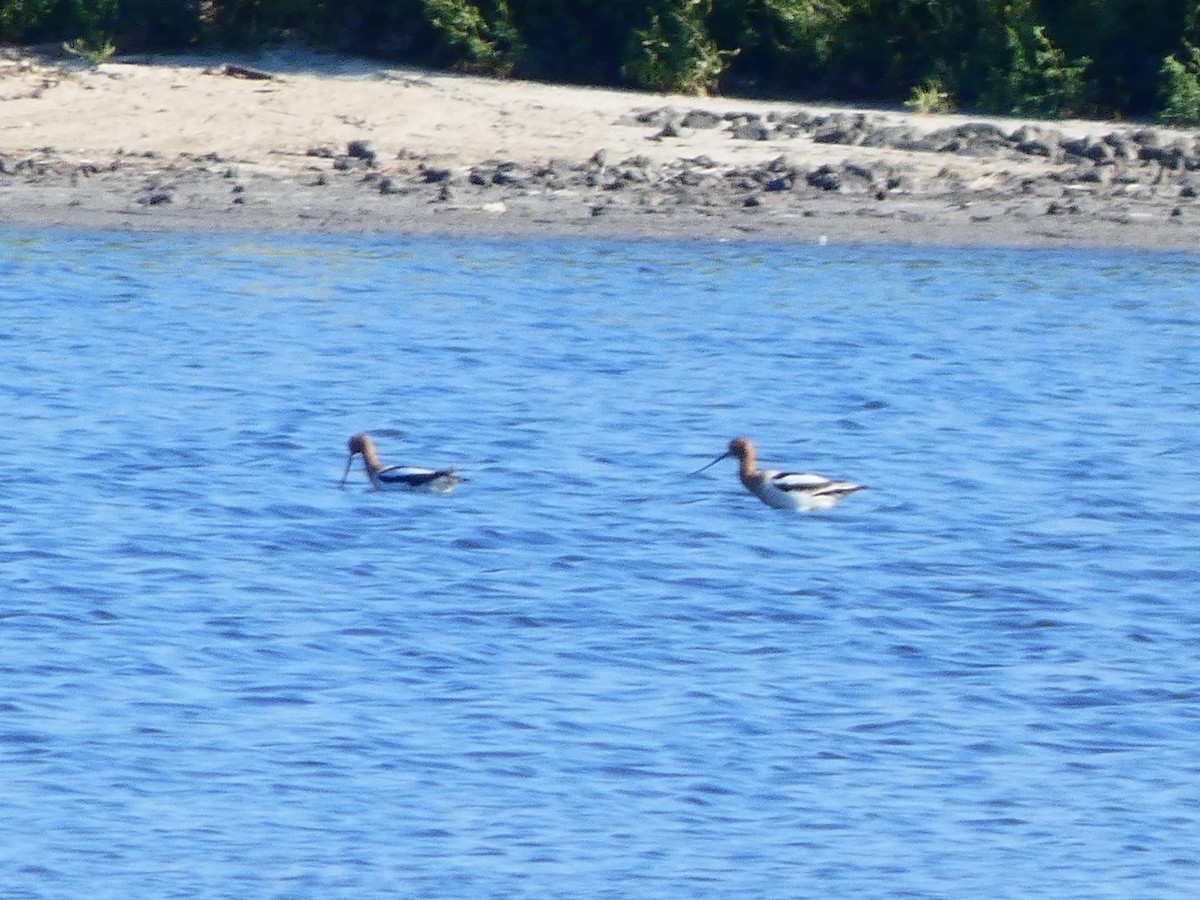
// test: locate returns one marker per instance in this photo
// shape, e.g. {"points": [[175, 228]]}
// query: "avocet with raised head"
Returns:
{"points": [[783, 490]]}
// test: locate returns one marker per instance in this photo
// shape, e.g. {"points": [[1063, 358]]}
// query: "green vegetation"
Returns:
{"points": [[675, 52], [1181, 90], [95, 53], [1116, 58], [929, 98]]}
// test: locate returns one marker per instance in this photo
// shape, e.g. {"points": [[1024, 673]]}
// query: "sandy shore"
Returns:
{"points": [[292, 140]]}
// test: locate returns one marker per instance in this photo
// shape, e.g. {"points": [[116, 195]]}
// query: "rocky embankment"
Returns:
{"points": [[1142, 163]]}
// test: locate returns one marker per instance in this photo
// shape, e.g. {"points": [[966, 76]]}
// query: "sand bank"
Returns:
{"points": [[293, 140]]}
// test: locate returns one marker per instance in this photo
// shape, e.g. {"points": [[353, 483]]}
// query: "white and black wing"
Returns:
{"points": [[813, 491], [799, 481], [415, 478]]}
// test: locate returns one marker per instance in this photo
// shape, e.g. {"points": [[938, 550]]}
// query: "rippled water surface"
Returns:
{"points": [[585, 673]]}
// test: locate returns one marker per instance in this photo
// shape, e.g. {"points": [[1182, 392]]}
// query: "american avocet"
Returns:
{"points": [[398, 478], [784, 490]]}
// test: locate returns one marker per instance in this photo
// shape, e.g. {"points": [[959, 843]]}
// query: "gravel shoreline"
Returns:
{"points": [[665, 167]]}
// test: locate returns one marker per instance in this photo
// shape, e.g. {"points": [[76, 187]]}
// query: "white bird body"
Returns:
{"points": [[794, 490], [784, 490], [399, 478]]}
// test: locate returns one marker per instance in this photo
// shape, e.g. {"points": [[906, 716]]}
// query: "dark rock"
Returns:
{"points": [[1153, 147], [658, 117], [237, 71], [361, 150], [751, 131], [826, 178], [1037, 141], [746, 179], [900, 137], [435, 175], [781, 164], [1124, 147], [701, 118], [1097, 150], [1147, 137], [799, 119], [786, 130], [971, 139], [938, 141], [509, 175], [857, 178], [1075, 146], [1172, 155], [1061, 208], [1074, 175], [155, 198], [982, 131], [633, 175], [688, 178], [557, 175], [840, 128]]}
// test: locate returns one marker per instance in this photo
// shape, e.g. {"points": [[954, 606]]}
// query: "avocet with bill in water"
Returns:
{"points": [[399, 478]]}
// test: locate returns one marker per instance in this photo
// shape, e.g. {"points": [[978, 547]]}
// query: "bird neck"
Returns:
{"points": [[747, 466], [370, 458]]}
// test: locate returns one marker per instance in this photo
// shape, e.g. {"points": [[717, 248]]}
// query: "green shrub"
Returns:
{"points": [[35, 21], [782, 45], [1039, 80], [1181, 90], [96, 50], [475, 41], [250, 23], [930, 97], [18, 17], [157, 24], [675, 53]]}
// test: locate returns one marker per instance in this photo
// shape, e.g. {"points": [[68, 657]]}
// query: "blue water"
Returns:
{"points": [[584, 673]]}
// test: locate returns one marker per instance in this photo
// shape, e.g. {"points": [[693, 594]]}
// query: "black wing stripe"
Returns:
{"points": [[413, 479]]}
